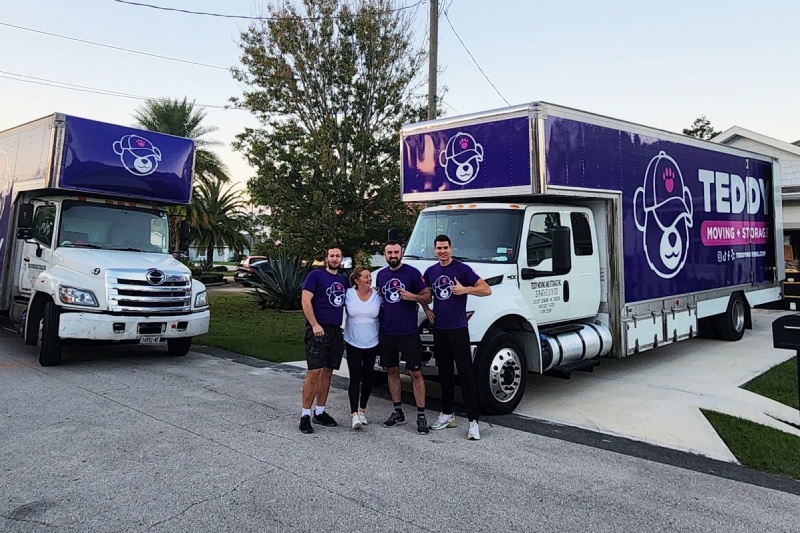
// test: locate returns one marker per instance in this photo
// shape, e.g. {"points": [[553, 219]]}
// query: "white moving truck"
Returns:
{"points": [[599, 237], [85, 240]]}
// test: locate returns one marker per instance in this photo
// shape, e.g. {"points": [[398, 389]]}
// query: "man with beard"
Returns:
{"points": [[323, 306], [402, 288]]}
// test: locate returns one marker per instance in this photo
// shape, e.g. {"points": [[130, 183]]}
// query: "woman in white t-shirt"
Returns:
{"points": [[362, 304]]}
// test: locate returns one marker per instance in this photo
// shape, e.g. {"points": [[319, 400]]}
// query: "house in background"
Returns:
{"points": [[788, 155]]}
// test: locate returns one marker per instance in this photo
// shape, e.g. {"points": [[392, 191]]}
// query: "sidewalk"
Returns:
{"points": [[656, 396]]}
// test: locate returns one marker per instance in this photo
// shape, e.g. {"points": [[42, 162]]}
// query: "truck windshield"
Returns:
{"points": [[110, 227], [485, 235]]}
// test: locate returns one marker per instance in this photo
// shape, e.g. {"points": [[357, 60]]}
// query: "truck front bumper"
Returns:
{"points": [[96, 326]]}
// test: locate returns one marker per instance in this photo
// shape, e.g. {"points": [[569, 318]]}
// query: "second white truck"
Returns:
{"points": [[599, 237]]}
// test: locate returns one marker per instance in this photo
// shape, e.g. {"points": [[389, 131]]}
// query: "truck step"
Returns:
{"points": [[561, 330], [565, 371]]}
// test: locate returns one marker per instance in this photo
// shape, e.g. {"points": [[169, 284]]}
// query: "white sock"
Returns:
{"points": [[320, 409], [306, 412]]}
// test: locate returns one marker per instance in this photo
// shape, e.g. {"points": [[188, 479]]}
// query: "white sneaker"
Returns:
{"points": [[444, 421], [362, 416], [356, 422], [474, 432]]}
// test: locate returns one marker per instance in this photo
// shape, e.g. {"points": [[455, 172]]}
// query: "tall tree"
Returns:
{"points": [[331, 82], [218, 218], [181, 118], [701, 128]]}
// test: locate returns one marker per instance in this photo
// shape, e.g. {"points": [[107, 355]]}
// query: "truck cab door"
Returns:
{"points": [[546, 293], [38, 250]]}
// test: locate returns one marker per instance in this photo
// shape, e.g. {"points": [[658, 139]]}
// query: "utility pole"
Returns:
{"points": [[432, 58]]}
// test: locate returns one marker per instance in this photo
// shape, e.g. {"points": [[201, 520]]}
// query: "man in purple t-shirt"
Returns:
{"points": [[451, 281], [402, 288], [323, 305]]}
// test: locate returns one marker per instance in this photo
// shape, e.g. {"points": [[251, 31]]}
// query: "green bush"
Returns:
{"points": [[208, 277], [280, 286]]}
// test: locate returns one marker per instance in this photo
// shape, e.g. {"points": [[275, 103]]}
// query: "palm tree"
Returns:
{"points": [[179, 117], [218, 217]]}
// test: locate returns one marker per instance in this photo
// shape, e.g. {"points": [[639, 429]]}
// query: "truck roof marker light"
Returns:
{"points": [[449, 207], [460, 206], [513, 206], [472, 206]]}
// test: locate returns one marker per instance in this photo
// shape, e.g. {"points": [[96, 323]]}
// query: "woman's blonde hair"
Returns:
{"points": [[355, 274]]}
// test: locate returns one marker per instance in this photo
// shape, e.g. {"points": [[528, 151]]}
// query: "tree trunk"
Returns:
{"points": [[209, 257]]}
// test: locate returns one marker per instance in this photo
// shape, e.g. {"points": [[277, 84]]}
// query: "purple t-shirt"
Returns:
{"points": [[450, 310], [328, 300], [399, 316]]}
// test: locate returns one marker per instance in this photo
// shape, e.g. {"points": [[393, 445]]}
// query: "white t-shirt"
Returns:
{"points": [[361, 326]]}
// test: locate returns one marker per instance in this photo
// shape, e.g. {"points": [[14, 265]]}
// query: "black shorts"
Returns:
{"points": [[325, 351], [391, 346]]}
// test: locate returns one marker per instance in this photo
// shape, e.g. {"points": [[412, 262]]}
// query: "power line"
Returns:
{"points": [[473, 58], [86, 89], [190, 12], [113, 47]]}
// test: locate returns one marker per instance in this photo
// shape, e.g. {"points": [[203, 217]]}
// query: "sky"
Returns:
{"points": [[657, 63]]}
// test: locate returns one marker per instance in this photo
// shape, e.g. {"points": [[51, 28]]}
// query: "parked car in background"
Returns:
{"points": [[244, 271]]}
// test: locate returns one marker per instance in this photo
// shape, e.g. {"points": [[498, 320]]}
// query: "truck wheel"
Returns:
{"points": [[730, 324], [500, 374], [179, 347], [49, 341]]}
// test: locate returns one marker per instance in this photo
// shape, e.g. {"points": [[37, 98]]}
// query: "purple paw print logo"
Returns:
{"points": [[669, 179]]}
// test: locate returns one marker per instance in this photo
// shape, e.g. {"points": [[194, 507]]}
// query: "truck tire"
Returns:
{"points": [[500, 374], [179, 347], [49, 341], [729, 325]]}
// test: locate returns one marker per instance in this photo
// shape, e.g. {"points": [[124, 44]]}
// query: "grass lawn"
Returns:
{"points": [[757, 446], [762, 447], [778, 383], [239, 325]]}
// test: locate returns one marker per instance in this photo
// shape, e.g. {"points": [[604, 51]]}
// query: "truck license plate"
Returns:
{"points": [[149, 339]]}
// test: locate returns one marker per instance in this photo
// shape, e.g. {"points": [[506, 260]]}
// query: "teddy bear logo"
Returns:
{"points": [[336, 294], [461, 158], [662, 211], [443, 287], [391, 290], [138, 155]]}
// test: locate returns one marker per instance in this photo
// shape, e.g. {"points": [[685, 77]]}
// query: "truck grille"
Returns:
{"points": [[148, 291]]}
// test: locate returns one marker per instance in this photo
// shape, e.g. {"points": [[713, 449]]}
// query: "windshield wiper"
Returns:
{"points": [[82, 245], [460, 258], [127, 249], [409, 256]]}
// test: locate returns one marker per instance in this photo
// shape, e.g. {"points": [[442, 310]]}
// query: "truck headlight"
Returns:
{"points": [[73, 296], [201, 300]]}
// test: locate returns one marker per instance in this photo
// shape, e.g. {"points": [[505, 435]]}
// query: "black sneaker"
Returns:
{"points": [[397, 418], [305, 424], [422, 425], [324, 419]]}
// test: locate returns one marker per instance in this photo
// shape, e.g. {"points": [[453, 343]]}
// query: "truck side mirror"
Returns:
{"points": [[25, 216], [25, 221], [562, 250], [183, 245]]}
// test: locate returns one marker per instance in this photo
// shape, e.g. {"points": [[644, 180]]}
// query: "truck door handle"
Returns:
{"points": [[27, 259], [566, 290]]}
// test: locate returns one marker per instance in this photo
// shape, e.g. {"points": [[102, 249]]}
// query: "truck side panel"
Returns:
{"points": [[694, 219], [25, 164]]}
